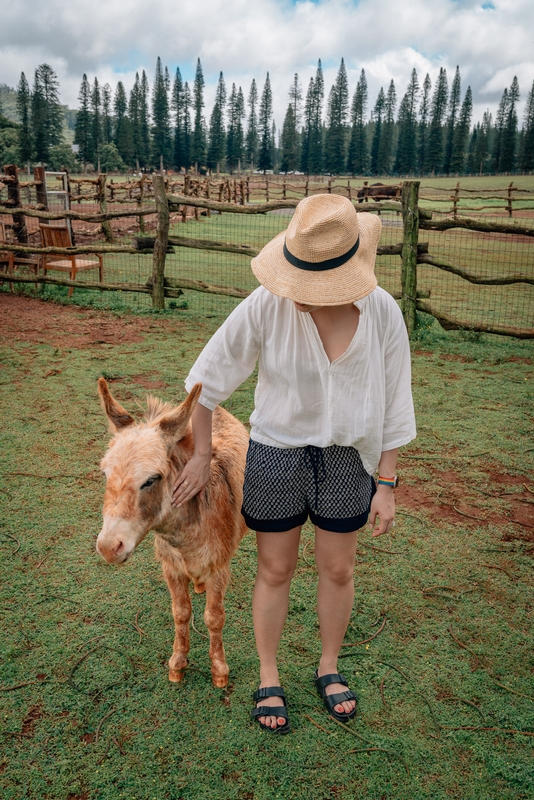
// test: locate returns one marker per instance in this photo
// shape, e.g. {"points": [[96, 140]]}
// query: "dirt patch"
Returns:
{"points": [[31, 320], [148, 383], [443, 356], [457, 503], [30, 720]]}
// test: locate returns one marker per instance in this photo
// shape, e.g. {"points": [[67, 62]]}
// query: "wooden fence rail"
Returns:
{"points": [[159, 286]]}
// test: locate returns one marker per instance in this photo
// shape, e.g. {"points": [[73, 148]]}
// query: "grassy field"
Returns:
{"points": [[445, 685]]}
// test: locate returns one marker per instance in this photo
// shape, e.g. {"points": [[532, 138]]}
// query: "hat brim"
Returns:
{"points": [[352, 281]]}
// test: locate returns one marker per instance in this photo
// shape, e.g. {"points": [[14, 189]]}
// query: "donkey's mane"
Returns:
{"points": [[156, 409]]}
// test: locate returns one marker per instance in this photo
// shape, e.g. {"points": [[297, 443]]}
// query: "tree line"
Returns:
{"points": [[164, 125]]}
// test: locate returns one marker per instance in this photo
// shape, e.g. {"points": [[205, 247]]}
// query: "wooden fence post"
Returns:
{"points": [[161, 243], [509, 206], [455, 200], [39, 176], [13, 196], [102, 200], [140, 202], [410, 222]]}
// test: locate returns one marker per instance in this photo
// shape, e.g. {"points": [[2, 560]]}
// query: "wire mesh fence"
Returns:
{"points": [[478, 255]]}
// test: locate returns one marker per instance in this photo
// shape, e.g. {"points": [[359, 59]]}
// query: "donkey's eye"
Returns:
{"points": [[147, 484]]}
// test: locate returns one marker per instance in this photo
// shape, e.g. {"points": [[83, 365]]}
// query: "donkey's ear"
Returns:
{"points": [[117, 415], [173, 425]]}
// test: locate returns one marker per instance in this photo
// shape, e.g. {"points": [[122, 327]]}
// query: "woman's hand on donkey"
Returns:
{"points": [[192, 479]]}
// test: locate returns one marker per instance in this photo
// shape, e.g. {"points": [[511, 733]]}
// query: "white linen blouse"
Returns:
{"points": [[363, 399]]}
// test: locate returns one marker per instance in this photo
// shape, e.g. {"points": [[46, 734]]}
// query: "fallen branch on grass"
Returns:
{"points": [[370, 639], [493, 566], [465, 647], [381, 550]]}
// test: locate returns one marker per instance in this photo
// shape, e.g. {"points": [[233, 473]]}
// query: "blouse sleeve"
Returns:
{"points": [[399, 419], [230, 355]]}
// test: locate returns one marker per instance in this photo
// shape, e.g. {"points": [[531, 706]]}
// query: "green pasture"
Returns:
{"points": [[86, 710]]}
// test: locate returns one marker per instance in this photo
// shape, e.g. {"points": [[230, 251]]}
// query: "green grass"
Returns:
{"points": [[68, 618]]}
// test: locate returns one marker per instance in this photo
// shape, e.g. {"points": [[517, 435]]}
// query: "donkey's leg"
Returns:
{"points": [[178, 584], [214, 617]]}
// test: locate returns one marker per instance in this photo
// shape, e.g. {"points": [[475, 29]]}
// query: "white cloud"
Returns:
{"points": [[114, 38]]}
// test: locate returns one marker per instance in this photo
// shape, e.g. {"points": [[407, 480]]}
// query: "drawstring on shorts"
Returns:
{"points": [[314, 459]]}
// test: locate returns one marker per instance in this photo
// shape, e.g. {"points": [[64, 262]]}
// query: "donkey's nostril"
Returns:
{"points": [[118, 548]]}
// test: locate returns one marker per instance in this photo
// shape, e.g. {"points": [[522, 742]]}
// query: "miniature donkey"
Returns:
{"points": [[194, 542]]}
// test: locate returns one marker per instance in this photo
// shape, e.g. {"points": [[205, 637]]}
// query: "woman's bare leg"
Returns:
{"points": [[335, 554], [277, 558]]}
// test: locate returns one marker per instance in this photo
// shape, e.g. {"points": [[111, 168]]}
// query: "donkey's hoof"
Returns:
{"points": [[175, 676], [220, 681], [200, 588]]}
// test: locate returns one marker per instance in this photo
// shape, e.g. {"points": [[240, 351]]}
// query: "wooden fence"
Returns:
{"points": [[411, 250]]}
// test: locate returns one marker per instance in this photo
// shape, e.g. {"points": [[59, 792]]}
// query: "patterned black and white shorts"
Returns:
{"points": [[285, 486]]}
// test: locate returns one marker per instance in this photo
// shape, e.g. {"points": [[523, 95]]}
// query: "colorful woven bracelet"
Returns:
{"points": [[391, 482]]}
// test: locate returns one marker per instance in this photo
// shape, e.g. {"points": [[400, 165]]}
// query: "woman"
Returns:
{"points": [[332, 406]]}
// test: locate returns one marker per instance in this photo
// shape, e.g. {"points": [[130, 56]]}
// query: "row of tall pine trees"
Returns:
{"points": [[428, 131]]}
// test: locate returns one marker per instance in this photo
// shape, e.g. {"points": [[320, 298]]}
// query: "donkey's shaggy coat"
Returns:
{"points": [[194, 542]]}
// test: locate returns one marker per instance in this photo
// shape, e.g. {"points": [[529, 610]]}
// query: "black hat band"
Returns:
{"points": [[319, 266]]}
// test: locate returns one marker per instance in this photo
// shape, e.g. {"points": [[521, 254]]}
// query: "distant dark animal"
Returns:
{"points": [[379, 191]]}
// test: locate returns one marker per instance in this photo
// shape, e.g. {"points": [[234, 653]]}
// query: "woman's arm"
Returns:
{"points": [[196, 472], [383, 503]]}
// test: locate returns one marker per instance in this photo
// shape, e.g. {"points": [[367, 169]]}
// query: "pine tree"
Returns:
{"points": [[107, 121], [252, 129], [135, 119], [454, 108], [509, 132], [188, 135], [481, 148], [358, 157], [424, 114], [461, 134], [234, 139], [307, 127], [336, 132], [47, 113], [161, 123], [24, 111], [500, 122], [144, 121], [406, 158], [316, 143], [527, 149], [178, 108], [471, 163], [435, 138], [198, 141], [265, 154], [378, 115], [289, 159], [96, 121], [385, 150], [82, 130], [217, 136], [295, 98], [123, 127], [274, 149]]}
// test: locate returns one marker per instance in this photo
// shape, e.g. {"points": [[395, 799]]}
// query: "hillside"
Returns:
{"points": [[8, 101]]}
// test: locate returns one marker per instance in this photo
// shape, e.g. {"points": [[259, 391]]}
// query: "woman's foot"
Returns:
{"points": [[339, 700], [267, 697]]}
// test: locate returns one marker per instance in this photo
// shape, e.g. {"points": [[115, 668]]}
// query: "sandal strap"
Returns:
{"points": [[269, 711], [339, 697], [327, 680], [269, 691]]}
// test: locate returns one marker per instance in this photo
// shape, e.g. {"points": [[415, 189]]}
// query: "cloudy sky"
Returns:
{"points": [[490, 41]]}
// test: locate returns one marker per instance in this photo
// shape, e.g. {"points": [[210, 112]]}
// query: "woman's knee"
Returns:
{"points": [[275, 572], [338, 572]]}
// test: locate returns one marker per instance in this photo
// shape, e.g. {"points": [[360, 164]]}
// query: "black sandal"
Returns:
{"points": [[270, 711], [331, 700]]}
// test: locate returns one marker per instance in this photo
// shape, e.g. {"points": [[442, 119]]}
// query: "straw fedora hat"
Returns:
{"points": [[325, 257]]}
